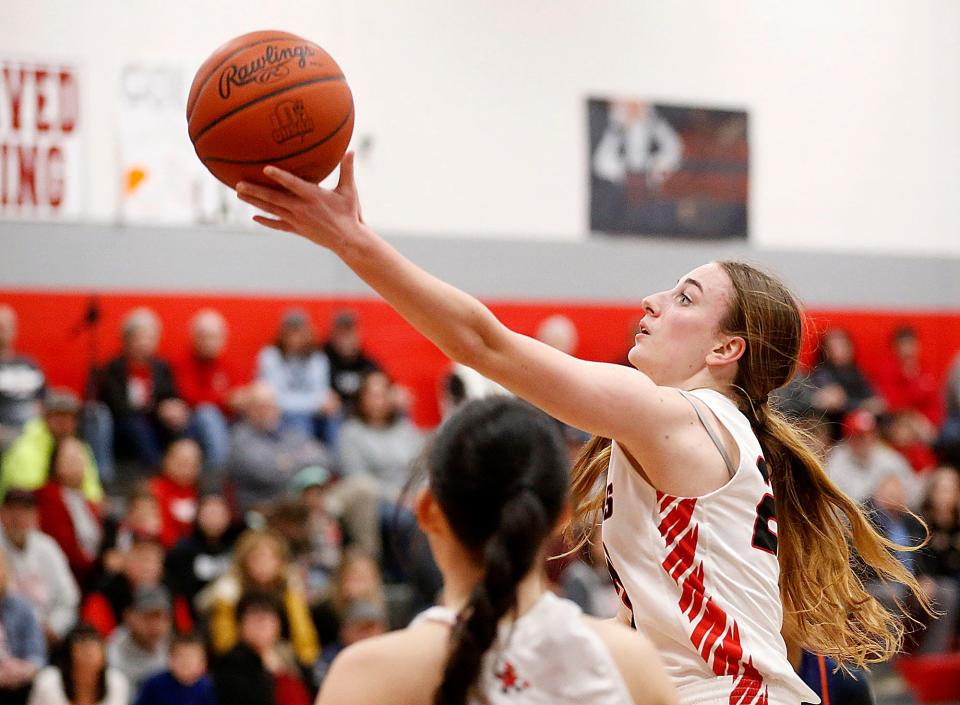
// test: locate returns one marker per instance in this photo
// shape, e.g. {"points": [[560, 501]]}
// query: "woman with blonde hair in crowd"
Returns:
{"points": [[261, 564]]}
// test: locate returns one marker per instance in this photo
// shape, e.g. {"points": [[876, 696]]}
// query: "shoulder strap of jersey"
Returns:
{"points": [[711, 431]]}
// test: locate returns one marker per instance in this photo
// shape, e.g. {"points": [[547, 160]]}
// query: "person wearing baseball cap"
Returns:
{"points": [[26, 465], [139, 647], [861, 461]]}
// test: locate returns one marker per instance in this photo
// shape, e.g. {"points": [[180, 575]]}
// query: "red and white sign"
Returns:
{"points": [[39, 140]]}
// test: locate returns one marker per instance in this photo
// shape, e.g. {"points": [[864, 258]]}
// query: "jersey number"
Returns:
{"points": [[764, 537], [608, 502]]}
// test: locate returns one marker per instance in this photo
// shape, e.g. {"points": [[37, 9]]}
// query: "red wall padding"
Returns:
{"points": [[51, 331]]}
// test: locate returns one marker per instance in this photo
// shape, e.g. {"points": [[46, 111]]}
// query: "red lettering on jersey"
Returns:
{"points": [[715, 635], [677, 520], [680, 559]]}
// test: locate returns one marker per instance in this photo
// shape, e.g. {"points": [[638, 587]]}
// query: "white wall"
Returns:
{"points": [[476, 107]]}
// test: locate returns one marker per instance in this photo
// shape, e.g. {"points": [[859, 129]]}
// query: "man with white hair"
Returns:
{"points": [[138, 388], [208, 384], [265, 456], [21, 381]]}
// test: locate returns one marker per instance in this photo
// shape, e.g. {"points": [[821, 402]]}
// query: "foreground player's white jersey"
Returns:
{"points": [[701, 577], [547, 657]]}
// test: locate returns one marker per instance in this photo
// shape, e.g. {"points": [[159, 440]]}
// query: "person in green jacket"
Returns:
{"points": [[26, 463]]}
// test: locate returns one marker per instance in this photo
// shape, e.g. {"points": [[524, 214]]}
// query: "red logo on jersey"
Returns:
{"points": [[715, 635], [509, 680]]}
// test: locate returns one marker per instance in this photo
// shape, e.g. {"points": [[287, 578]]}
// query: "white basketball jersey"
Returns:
{"points": [[701, 578], [547, 657]]}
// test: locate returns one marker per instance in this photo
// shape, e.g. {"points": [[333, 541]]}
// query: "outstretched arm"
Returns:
{"points": [[604, 399]]}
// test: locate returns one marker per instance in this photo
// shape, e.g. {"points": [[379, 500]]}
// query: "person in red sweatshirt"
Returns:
{"points": [[65, 514], [176, 490], [209, 384]]}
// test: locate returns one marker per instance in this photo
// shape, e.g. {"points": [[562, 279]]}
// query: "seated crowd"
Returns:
{"points": [[190, 536]]}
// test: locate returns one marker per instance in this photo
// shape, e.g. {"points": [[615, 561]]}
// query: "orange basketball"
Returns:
{"points": [[269, 98]]}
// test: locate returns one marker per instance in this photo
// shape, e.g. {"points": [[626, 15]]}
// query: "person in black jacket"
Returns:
{"points": [[837, 385], [257, 671], [201, 558], [139, 389]]}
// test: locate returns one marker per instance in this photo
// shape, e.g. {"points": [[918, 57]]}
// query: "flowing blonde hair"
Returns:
{"points": [[822, 533]]}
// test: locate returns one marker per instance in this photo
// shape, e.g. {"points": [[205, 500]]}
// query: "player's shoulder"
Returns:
{"points": [[639, 663], [402, 666]]}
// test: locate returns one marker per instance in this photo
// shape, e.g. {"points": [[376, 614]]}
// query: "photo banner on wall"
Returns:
{"points": [[39, 140], [667, 170]]}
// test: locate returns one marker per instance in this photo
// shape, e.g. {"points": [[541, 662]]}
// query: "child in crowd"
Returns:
{"points": [[176, 490], [185, 682], [261, 564]]}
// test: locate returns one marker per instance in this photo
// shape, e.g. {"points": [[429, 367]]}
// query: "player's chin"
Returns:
{"points": [[638, 358]]}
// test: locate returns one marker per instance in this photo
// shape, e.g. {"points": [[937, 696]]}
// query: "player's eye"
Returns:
{"points": [[684, 299]]}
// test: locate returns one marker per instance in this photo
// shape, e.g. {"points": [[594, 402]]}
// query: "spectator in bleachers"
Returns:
{"points": [[141, 517], [138, 648], [903, 434], [176, 489], [21, 381], [861, 460], [265, 454], [209, 384], [938, 564], [362, 620], [888, 502], [348, 363], [377, 440], [81, 674], [258, 669], [906, 386], [838, 386], [26, 464], [185, 682], [358, 579], [66, 514], [261, 564], [38, 569], [300, 375], [140, 567], [948, 442], [23, 651], [205, 555], [138, 387], [324, 537]]}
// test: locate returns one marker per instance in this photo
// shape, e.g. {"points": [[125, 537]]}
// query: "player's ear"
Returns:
{"points": [[728, 349], [429, 515]]}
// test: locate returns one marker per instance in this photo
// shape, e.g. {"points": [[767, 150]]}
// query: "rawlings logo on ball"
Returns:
{"points": [[270, 66], [290, 120]]}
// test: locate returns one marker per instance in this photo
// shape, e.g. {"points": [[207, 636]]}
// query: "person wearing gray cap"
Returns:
{"points": [[139, 647], [26, 464]]}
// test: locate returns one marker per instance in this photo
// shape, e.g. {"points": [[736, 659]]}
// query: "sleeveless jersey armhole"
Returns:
{"points": [[712, 432]]}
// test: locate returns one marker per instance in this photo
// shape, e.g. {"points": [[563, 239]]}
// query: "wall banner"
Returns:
{"points": [[667, 170], [40, 169]]}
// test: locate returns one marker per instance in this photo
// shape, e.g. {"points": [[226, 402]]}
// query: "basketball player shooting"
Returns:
{"points": [[721, 529]]}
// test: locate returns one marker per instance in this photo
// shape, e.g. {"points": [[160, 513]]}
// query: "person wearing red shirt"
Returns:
{"points": [[66, 515], [208, 383], [904, 383], [176, 491]]}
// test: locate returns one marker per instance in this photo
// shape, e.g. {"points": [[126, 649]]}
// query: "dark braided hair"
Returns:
{"points": [[498, 469]]}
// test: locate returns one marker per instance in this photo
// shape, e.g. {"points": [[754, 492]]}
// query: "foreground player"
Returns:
{"points": [[706, 486], [498, 486]]}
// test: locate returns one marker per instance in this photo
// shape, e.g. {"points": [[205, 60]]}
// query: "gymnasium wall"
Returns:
{"points": [[51, 273], [475, 110]]}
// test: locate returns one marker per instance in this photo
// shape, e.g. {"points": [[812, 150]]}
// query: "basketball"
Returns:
{"points": [[269, 98]]}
